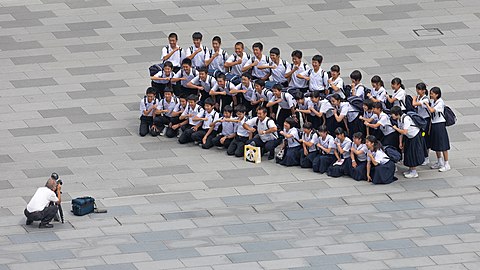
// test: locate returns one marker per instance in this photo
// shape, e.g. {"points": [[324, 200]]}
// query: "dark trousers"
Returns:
{"points": [[45, 216], [200, 133], [282, 115], [170, 132], [145, 124], [186, 136], [161, 121], [216, 141], [236, 147], [159, 89], [268, 146]]}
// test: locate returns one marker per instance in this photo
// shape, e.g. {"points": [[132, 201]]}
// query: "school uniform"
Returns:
{"points": [[198, 135], [176, 58], [339, 170], [207, 85], [160, 85], [326, 109], [223, 100], [163, 120], [360, 90], [246, 98], [267, 142], [400, 96], [338, 82], [219, 62], [146, 121], [318, 80], [237, 69], [358, 173], [439, 140], [277, 74], [390, 136], [352, 115], [413, 142], [380, 94], [323, 160], [296, 83], [425, 114], [266, 94], [369, 115], [182, 88], [170, 132], [285, 107], [384, 172], [225, 129], [236, 147], [306, 161], [312, 117], [291, 154], [186, 135], [199, 60], [256, 72]]}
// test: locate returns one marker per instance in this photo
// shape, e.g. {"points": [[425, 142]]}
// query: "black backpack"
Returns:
{"points": [[154, 69], [419, 121], [449, 115], [409, 103], [356, 103], [392, 153], [347, 90]]}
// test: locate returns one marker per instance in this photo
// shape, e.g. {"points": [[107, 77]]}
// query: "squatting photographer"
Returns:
{"points": [[44, 204]]}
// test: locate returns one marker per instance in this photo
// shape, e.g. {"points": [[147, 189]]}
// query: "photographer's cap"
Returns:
{"points": [[54, 176]]}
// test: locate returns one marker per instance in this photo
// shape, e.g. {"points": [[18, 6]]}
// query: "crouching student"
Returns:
{"points": [[208, 130], [163, 114], [285, 101], [309, 141], [192, 111], [148, 106], [266, 129], [226, 129], [356, 165], [387, 134], [380, 169], [342, 154], [291, 147], [326, 147], [345, 113], [236, 147], [162, 79], [175, 123]]}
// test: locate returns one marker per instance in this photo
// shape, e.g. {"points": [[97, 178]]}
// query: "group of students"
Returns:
{"points": [[214, 99]]}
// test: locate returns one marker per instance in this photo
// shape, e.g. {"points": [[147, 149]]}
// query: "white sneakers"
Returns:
{"points": [[445, 168], [436, 165], [411, 174], [426, 161]]}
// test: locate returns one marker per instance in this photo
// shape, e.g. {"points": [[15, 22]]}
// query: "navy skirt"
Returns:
{"points": [[413, 150], [291, 156], [339, 170], [307, 161], [391, 139], [356, 126], [358, 173], [383, 173], [427, 134], [439, 137], [322, 162]]}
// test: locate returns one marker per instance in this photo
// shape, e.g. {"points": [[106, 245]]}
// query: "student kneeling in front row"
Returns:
{"points": [[266, 128]]}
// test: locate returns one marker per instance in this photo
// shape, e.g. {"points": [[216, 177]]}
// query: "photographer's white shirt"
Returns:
{"points": [[42, 197]]}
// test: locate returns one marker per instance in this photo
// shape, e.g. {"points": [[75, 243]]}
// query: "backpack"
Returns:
{"points": [[154, 69], [145, 101], [449, 115], [168, 51], [347, 90], [356, 103], [235, 79], [224, 55], [419, 121], [174, 98], [409, 103], [321, 75], [204, 50], [392, 153], [214, 72]]}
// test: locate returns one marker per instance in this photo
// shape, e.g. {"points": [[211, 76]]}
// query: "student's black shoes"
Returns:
{"points": [[29, 221], [45, 226]]}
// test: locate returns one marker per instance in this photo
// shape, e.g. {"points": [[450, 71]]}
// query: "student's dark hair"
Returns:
{"points": [[221, 76], [297, 53], [299, 95], [241, 108], [376, 143], [263, 109], [359, 135], [336, 96], [378, 105], [437, 91], [187, 61], [150, 90], [173, 35], [421, 86], [239, 43], [277, 86], [275, 51], [340, 130], [397, 80], [258, 45], [217, 39], [228, 108], [368, 103], [197, 35], [182, 96], [396, 110], [356, 75], [203, 69], [317, 58], [168, 89], [260, 82], [290, 121], [322, 128], [315, 94], [167, 64], [210, 101], [307, 125], [377, 79], [247, 75], [335, 68], [192, 97]]}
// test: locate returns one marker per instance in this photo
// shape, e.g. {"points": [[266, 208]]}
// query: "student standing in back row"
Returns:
{"points": [[216, 57], [197, 52], [258, 63], [237, 60], [420, 101], [399, 94], [297, 67], [173, 53], [317, 77], [278, 68]]}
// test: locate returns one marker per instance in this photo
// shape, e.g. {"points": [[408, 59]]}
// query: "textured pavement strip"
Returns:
{"points": [[71, 75]]}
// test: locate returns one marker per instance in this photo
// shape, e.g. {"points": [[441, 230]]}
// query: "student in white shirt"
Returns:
{"points": [[317, 77], [295, 68], [278, 68], [358, 89], [203, 83], [285, 102], [226, 130], [197, 52], [291, 144], [267, 137], [261, 97], [237, 60], [244, 92], [344, 112], [221, 92], [258, 63], [356, 165], [388, 135], [420, 102], [399, 94], [163, 114], [148, 106], [439, 140], [380, 169], [208, 130], [368, 116], [173, 53], [302, 107], [216, 57], [43, 205], [379, 93], [335, 83], [162, 79], [309, 141], [184, 76], [242, 135], [190, 113], [175, 122], [342, 153], [326, 148], [411, 141]]}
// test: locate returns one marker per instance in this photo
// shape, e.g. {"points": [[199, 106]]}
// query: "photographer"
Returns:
{"points": [[40, 207]]}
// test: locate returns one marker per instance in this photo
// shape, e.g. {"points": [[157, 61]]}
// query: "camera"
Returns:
{"points": [[54, 176]]}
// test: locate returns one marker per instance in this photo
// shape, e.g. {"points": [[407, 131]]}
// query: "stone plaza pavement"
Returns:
{"points": [[72, 73]]}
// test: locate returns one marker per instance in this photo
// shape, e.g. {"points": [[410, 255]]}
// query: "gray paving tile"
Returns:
{"points": [[115, 211], [398, 206], [191, 3], [33, 237], [472, 78], [390, 244], [23, 60], [364, 33], [399, 8], [319, 44], [87, 4], [266, 246], [449, 229], [106, 133], [251, 12], [123, 266], [33, 83], [77, 152], [475, 46], [156, 236], [446, 26], [308, 213], [97, 117], [332, 6], [5, 185], [228, 183], [330, 259], [423, 251], [90, 94], [88, 25], [246, 200], [242, 173], [62, 112], [20, 23], [89, 47], [187, 196], [180, 169], [371, 227], [187, 215], [142, 190], [89, 70], [398, 61], [252, 256], [173, 254], [143, 35], [249, 228], [5, 159], [421, 43], [75, 34], [387, 16], [142, 247], [101, 85], [48, 255], [46, 172], [32, 131]]}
